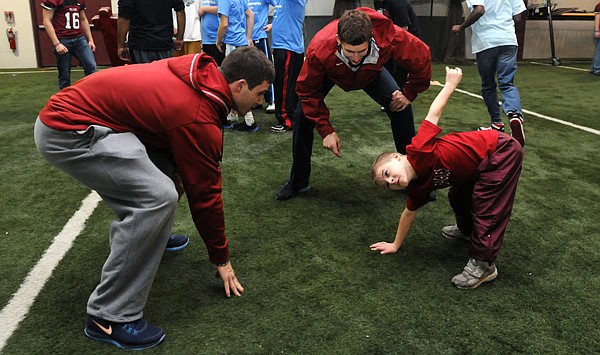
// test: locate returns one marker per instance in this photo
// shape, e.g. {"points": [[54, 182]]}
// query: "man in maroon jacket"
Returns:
{"points": [[351, 52], [124, 132]]}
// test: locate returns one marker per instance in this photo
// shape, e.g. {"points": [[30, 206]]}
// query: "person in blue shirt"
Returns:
{"points": [[236, 24], [260, 8], [494, 44], [209, 23], [288, 53]]}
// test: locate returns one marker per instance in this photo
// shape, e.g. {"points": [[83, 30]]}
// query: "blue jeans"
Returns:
{"points": [[80, 49], [501, 62], [596, 59]]}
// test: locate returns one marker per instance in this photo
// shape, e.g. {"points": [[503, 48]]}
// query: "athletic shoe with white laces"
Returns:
{"points": [[475, 273], [137, 335]]}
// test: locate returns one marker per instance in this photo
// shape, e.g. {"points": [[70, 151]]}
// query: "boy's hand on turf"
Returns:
{"points": [[453, 77], [384, 247], [332, 142]]}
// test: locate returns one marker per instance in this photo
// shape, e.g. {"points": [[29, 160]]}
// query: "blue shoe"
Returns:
{"points": [[136, 335], [177, 242]]}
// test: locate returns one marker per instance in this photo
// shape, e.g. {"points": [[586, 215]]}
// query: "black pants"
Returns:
{"points": [[287, 69], [380, 90], [211, 50]]}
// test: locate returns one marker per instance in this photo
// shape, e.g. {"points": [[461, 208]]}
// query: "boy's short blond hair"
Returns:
{"points": [[381, 159]]}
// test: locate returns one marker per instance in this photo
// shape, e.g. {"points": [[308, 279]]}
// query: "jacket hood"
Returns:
{"points": [[201, 73], [383, 28]]}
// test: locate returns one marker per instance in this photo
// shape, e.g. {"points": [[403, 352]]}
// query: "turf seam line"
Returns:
{"points": [[566, 123], [18, 307]]}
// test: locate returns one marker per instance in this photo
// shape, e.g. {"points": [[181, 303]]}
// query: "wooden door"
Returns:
{"points": [[43, 44]]}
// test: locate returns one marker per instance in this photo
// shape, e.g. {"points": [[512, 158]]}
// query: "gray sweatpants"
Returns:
{"points": [[144, 199]]}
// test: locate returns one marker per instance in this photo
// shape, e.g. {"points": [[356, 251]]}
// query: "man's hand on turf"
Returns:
{"points": [[230, 282], [333, 143]]}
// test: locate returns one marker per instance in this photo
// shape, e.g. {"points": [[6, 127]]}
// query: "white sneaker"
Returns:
{"points": [[249, 118], [271, 108], [232, 117]]}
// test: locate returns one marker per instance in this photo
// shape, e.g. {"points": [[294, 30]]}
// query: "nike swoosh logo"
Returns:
{"points": [[104, 329], [339, 64]]}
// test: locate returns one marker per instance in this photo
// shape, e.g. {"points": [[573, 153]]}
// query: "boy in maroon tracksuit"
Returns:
{"points": [[482, 169]]}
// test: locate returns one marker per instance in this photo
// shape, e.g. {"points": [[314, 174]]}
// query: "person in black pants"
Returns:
{"points": [[351, 53]]}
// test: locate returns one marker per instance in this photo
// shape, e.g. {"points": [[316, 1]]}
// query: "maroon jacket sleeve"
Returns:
{"points": [[197, 150], [414, 56], [312, 99]]}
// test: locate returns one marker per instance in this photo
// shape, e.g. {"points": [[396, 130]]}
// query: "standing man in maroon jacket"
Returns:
{"points": [[351, 52], [124, 132]]}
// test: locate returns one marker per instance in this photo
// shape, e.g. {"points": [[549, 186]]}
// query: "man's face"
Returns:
{"points": [[245, 99], [355, 54]]}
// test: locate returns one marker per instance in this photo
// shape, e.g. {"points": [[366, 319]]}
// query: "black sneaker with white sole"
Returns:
{"points": [[498, 126]]}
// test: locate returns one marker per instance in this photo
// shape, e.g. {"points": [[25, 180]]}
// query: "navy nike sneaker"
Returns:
{"points": [[136, 335]]}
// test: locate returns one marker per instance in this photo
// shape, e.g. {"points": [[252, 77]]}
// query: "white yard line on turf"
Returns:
{"points": [[583, 128], [560, 66], [18, 307], [40, 71]]}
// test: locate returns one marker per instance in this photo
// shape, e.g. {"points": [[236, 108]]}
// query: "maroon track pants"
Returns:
{"points": [[483, 207]]}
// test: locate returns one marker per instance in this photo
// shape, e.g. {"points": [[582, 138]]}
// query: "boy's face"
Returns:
{"points": [[392, 175]]}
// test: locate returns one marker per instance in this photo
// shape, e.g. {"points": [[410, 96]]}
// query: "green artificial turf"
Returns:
{"points": [[312, 284]]}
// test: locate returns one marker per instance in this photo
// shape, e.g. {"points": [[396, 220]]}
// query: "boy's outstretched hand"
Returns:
{"points": [[384, 248], [453, 76]]}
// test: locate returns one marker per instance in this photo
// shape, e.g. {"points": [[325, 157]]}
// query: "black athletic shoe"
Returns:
{"points": [[279, 128], [177, 242], [288, 191], [498, 126], [136, 335], [243, 127], [516, 127]]}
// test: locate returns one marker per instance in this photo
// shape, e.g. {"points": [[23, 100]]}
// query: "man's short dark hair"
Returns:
{"points": [[248, 63], [355, 27]]}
